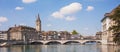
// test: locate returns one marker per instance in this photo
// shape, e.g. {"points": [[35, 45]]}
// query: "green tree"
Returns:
{"points": [[74, 32], [115, 16]]}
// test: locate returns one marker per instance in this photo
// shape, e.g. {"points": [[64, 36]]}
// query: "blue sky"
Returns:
{"points": [[67, 15]]}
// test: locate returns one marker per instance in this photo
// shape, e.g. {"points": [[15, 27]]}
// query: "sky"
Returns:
{"points": [[84, 16]]}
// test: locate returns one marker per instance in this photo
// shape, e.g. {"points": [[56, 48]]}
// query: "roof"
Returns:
{"points": [[20, 28], [105, 16], [38, 18]]}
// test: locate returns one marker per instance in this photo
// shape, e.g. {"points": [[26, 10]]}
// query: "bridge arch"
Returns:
{"points": [[91, 41], [70, 42], [34, 43], [52, 42]]}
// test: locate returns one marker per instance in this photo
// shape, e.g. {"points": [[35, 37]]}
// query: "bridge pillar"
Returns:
{"points": [[62, 42]]}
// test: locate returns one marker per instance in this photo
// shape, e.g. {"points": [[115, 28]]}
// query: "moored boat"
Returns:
{"points": [[4, 44]]}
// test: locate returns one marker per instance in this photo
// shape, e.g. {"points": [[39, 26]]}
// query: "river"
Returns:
{"points": [[60, 48]]}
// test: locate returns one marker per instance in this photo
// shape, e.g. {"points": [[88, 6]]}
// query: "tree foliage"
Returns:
{"points": [[115, 16], [117, 38], [74, 32]]}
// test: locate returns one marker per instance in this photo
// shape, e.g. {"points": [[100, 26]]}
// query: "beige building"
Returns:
{"points": [[107, 36], [25, 33], [22, 33]]}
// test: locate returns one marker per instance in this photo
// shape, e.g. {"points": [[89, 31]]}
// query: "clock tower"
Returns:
{"points": [[38, 24]]}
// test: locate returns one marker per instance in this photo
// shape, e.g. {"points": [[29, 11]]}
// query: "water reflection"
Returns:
{"points": [[60, 48], [109, 48], [117, 49]]}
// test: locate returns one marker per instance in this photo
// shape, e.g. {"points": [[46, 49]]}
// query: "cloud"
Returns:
{"points": [[0, 24], [70, 18], [49, 25], [57, 15], [3, 19], [19, 8], [67, 10], [29, 1], [71, 8], [90, 8]]}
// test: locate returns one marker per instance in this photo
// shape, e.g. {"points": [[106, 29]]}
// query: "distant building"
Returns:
{"points": [[22, 33], [3, 35], [52, 35], [25, 33], [99, 35], [107, 36], [89, 37], [64, 35], [76, 36]]}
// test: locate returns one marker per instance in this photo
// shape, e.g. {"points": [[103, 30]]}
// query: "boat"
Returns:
{"points": [[4, 44]]}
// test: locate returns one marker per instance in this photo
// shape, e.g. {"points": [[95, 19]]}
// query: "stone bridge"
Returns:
{"points": [[64, 41]]}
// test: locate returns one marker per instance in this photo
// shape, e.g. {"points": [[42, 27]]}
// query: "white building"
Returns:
{"points": [[105, 27], [3, 35], [107, 35]]}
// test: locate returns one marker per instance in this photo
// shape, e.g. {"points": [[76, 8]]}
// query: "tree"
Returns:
{"points": [[115, 16], [74, 32]]}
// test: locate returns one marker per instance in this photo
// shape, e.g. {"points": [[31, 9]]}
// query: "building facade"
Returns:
{"points": [[64, 35], [107, 35], [25, 33], [54, 35], [3, 35]]}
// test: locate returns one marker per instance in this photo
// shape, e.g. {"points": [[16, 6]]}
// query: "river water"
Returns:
{"points": [[60, 48]]}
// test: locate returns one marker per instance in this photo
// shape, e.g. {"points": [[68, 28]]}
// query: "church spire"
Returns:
{"points": [[38, 23], [38, 18]]}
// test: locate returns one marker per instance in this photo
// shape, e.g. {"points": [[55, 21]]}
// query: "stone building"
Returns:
{"points": [[107, 36], [25, 33], [22, 33]]}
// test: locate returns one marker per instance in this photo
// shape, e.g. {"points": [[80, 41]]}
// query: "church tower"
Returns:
{"points": [[38, 24]]}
